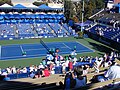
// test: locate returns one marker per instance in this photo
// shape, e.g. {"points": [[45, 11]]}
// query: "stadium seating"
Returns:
{"points": [[44, 30], [24, 30], [7, 31], [107, 31], [31, 18], [21, 26], [59, 29]]}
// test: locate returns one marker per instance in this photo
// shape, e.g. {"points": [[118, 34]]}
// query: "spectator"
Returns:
{"points": [[31, 68], [32, 75], [46, 72], [106, 60], [70, 65], [35, 68], [85, 69], [69, 81], [6, 78], [44, 62], [63, 68], [80, 80], [24, 70], [41, 66], [39, 73], [113, 72], [97, 64], [9, 70], [4, 73], [14, 70]]}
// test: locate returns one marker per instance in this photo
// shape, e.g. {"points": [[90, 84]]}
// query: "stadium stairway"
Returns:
{"points": [[33, 26], [68, 28], [53, 29]]}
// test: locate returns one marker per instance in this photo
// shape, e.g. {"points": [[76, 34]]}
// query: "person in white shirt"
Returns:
{"points": [[31, 68], [41, 66], [14, 70], [113, 72], [73, 53], [97, 64], [24, 70], [63, 68], [9, 70]]}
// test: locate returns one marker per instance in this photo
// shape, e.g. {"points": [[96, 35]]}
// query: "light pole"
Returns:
{"points": [[82, 15]]}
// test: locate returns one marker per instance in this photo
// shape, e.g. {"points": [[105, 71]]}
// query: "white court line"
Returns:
{"points": [[85, 46], [21, 48], [62, 47], [34, 49], [66, 46], [27, 56]]}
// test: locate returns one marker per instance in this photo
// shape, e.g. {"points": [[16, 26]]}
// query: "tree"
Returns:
{"points": [[69, 9], [75, 8], [39, 3], [5, 1]]}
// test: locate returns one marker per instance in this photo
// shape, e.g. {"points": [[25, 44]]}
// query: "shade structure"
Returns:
{"points": [[19, 6], [44, 7], [32, 6], [84, 23], [5, 6]]}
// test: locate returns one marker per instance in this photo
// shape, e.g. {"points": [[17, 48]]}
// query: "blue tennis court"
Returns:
{"points": [[37, 50]]}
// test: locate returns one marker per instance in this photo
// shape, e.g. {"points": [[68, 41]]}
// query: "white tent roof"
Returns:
{"points": [[6, 5], [32, 6]]}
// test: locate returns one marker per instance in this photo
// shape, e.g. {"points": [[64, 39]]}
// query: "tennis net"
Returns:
{"points": [[45, 46]]}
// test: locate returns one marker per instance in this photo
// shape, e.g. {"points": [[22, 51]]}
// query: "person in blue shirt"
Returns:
{"points": [[6, 78]]}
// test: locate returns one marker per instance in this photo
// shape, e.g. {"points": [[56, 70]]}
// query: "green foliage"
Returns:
{"points": [[68, 9], [39, 3], [5, 1], [75, 8]]}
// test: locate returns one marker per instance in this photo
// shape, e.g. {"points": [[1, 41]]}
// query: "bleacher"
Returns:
{"points": [[7, 31], [59, 30], [24, 30], [107, 31], [33, 26], [44, 30], [30, 18]]}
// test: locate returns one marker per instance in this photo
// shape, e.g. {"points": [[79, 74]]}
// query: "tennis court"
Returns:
{"points": [[10, 52]]}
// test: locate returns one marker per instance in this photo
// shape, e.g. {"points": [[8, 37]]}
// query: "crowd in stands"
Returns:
{"points": [[75, 77], [67, 63], [22, 30], [109, 17], [112, 33]]}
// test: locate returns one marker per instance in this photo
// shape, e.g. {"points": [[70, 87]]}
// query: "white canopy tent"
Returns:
{"points": [[31, 6], [5, 6]]}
